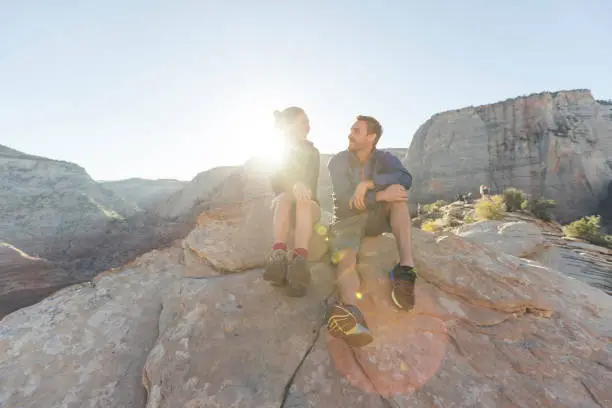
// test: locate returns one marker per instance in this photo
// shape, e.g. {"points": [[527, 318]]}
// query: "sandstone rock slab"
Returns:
{"points": [[85, 345], [231, 341], [488, 329], [237, 238], [233, 238], [516, 238], [455, 350]]}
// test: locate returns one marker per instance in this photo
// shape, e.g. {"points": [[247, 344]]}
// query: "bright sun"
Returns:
{"points": [[251, 134]]}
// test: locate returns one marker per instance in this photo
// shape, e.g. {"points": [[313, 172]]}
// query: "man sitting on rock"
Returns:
{"points": [[370, 189], [295, 206]]}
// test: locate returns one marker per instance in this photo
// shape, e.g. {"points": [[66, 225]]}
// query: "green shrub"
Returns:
{"points": [[602, 240], [492, 209], [539, 207], [433, 209], [586, 228], [430, 225], [513, 198], [469, 219]]}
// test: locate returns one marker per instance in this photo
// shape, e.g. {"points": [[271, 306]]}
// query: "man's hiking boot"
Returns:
{"points": [[276, 268], [402, 280], [346, 322], [298, 276]]}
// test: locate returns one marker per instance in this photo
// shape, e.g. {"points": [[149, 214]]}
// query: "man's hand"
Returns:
{"points": [[392, 193], [358, 200], [301, 192]]}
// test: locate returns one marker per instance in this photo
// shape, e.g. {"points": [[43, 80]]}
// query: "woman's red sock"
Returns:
{"points": [[279, 245]]}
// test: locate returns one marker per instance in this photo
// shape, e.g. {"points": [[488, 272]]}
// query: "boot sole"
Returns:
{"points": [[297, 281], [399, 305], [360, 338], [276, 274]]}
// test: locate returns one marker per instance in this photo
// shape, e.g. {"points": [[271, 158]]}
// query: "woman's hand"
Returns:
{"points": [[301, 192]]}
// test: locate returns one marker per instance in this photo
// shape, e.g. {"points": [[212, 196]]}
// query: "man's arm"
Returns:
{"points": [[393, 172], [341, 185]]}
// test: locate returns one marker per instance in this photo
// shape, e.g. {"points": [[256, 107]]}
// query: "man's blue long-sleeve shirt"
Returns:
{"points": [[346, 172]]}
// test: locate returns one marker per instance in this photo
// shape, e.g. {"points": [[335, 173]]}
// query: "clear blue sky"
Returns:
{"points": [[166, 89]]}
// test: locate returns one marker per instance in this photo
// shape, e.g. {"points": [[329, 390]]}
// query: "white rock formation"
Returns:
{"points": [[553, 145]]}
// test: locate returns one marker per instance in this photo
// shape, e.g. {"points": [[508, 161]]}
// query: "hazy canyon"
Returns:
{"points": [[167, 308]]}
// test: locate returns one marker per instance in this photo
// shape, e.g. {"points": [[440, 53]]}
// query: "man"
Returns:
{"points": [[296, 205], [370, 189], [484, 192]]}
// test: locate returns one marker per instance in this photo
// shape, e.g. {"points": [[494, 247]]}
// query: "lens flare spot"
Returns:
{"points": [[321, 230]]}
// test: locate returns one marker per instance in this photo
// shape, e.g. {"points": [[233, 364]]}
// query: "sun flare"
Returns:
{"points": [[252, 135]]}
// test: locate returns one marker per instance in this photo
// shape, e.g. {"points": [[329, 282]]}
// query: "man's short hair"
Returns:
{"points": [[373, 126]]}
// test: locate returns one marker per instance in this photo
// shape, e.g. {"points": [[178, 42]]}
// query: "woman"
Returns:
{"points": [[296, 205]]}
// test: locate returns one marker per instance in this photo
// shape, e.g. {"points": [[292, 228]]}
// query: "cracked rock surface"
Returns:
{"points": [[85, 345], [489, 330]]}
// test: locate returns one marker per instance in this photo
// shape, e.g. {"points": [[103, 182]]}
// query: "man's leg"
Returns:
{"points": [[298, 273], [403, 276], [401, 227], [344, 319], [349, 283], [276, 262]]}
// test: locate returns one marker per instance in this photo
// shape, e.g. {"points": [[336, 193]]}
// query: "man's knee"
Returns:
{"points": [[398, 205], [407, 190]]}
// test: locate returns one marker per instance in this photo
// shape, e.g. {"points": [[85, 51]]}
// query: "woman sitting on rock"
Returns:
{"points": [[296, 205]]}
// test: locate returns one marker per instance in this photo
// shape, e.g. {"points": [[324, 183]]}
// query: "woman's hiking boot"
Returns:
{"points": [[298, 276], [276, 268]]}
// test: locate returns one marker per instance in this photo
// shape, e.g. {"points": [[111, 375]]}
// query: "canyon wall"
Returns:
{"points": [[556, 145]]}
